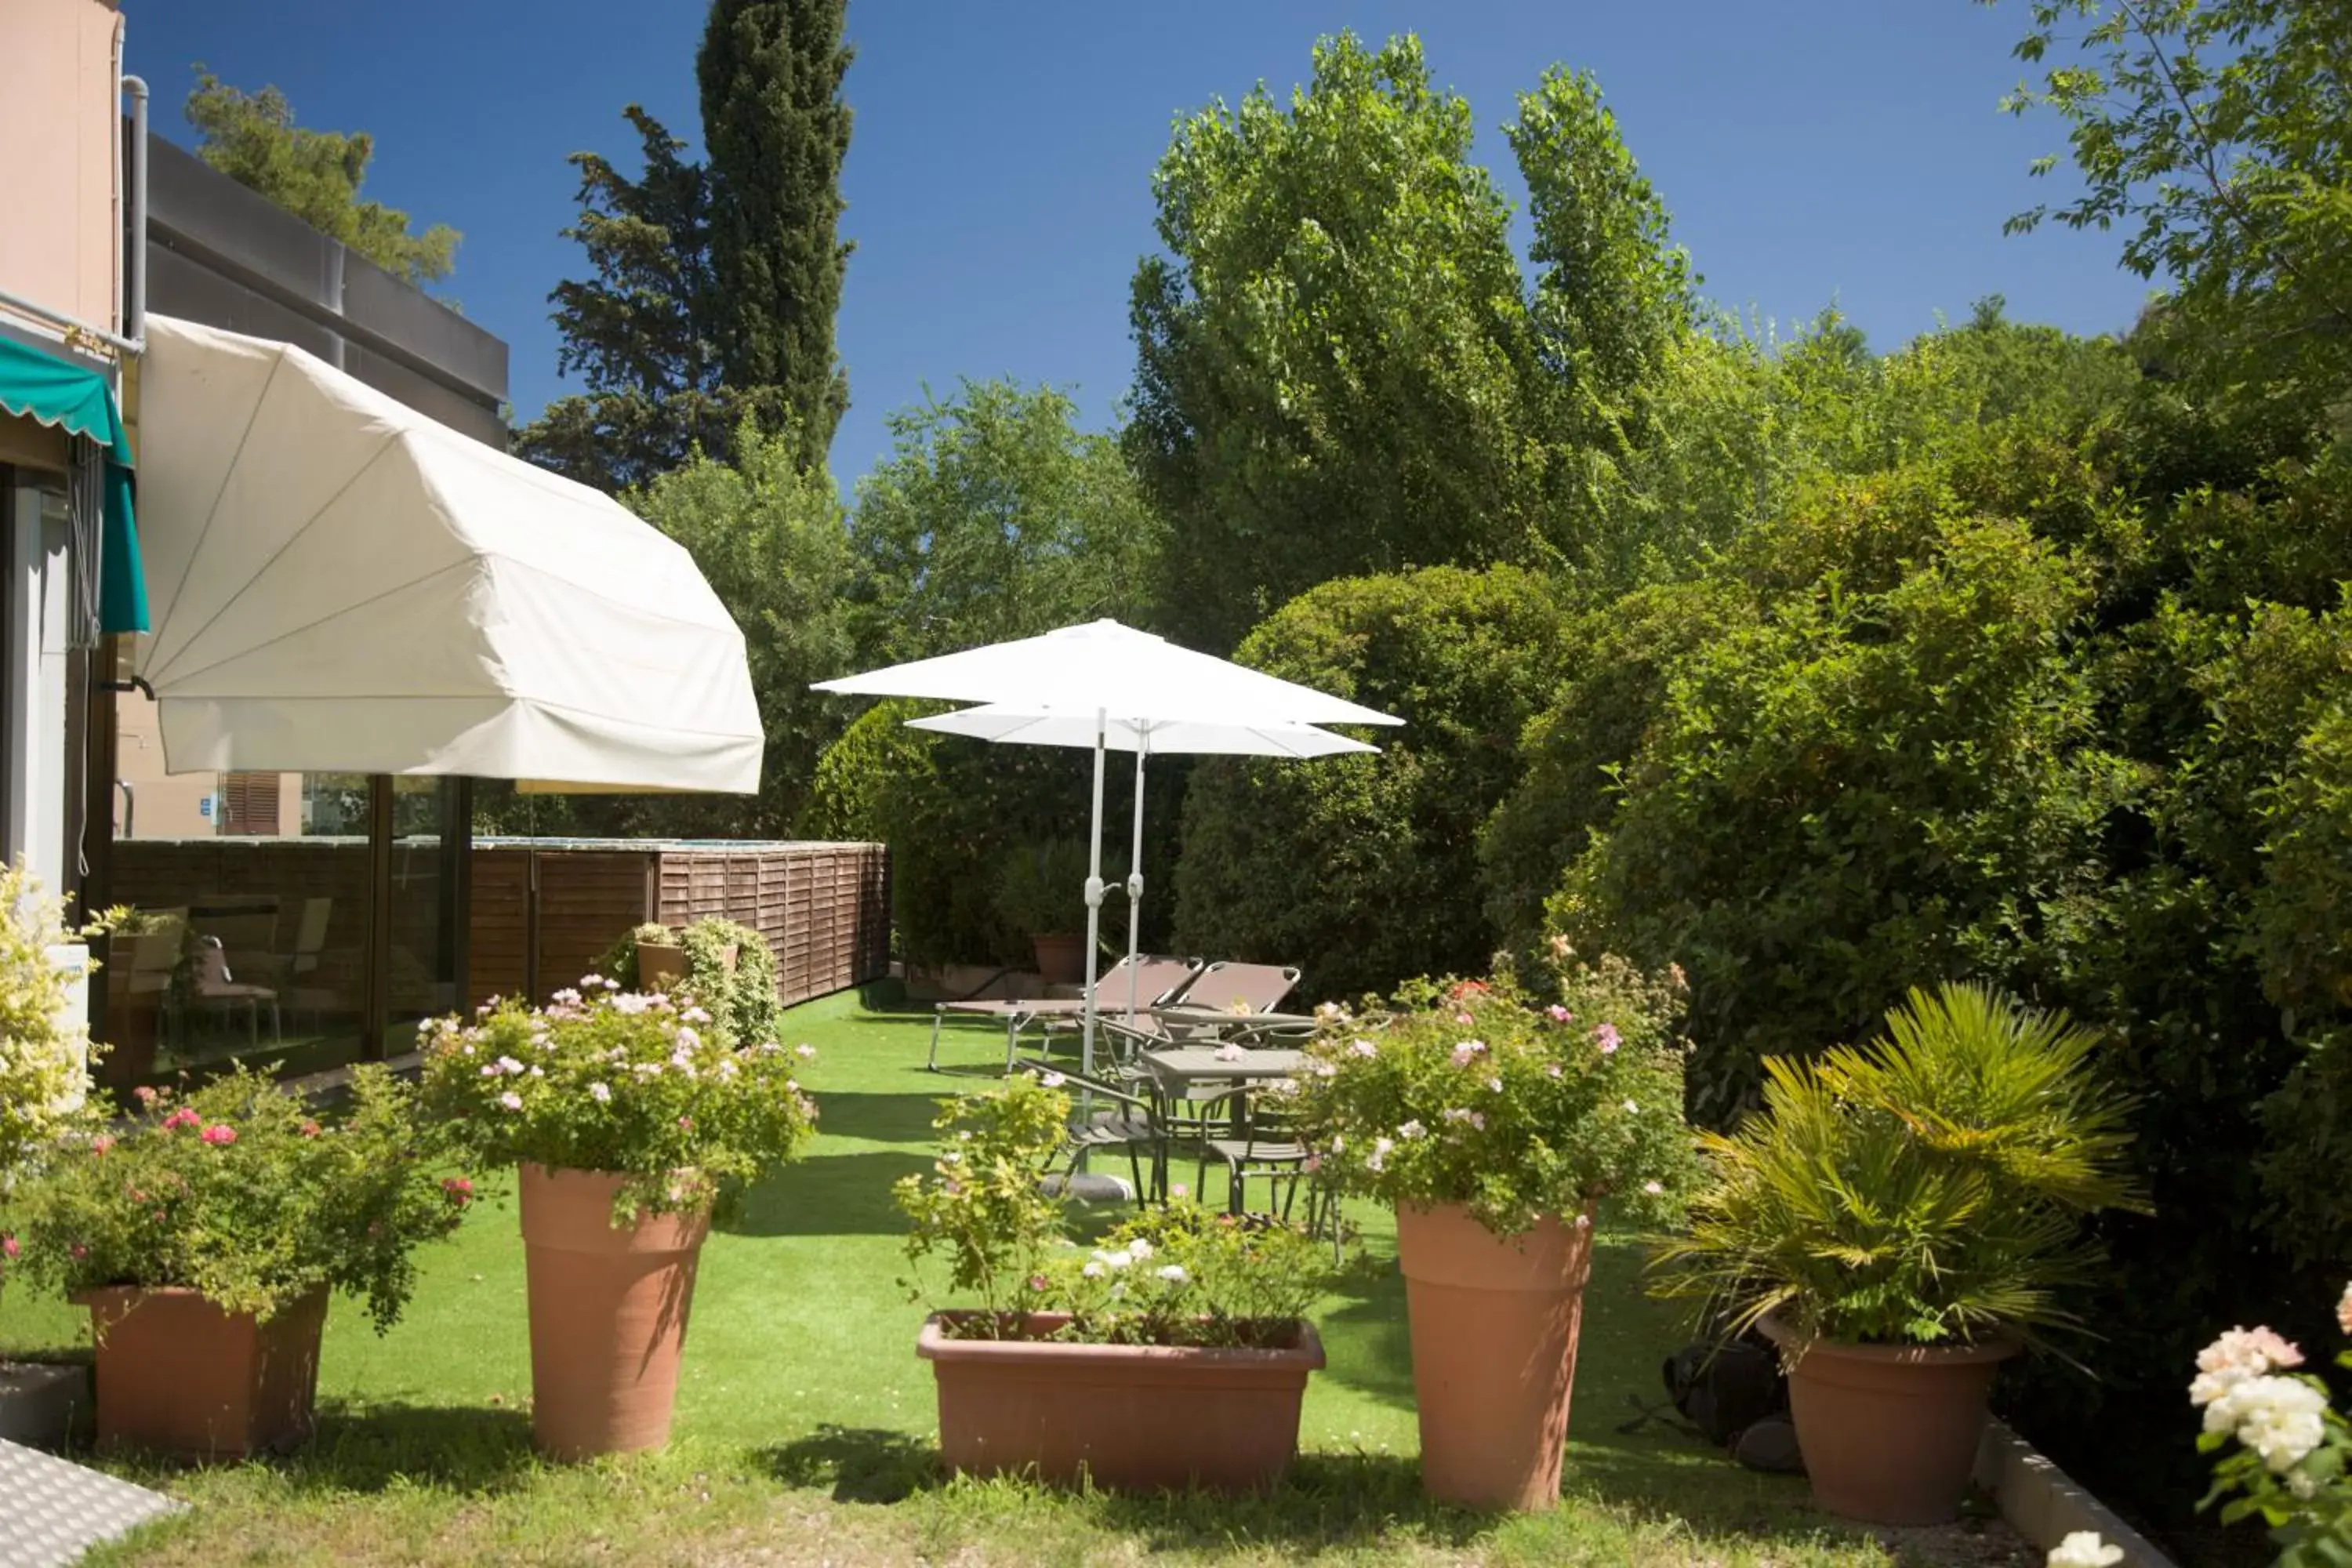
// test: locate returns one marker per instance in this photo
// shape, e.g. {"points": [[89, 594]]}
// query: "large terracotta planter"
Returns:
{"points": [[608, 1313], [1061, 958], [1135, 1418], [178, 1375], [1494, 1324], [1889, 1432]]}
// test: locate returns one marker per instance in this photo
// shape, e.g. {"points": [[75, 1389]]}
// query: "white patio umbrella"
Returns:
{"points": [[1004, 724], [1094, 674]]}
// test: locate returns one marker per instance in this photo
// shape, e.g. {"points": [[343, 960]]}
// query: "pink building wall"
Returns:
{"points": [[60, 229]]}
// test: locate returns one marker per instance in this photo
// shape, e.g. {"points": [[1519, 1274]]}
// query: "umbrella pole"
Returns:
{"points": [[1135, 875], [1094, 898]]}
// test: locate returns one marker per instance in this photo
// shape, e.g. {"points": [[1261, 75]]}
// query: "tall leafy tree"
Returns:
{"points": [[314, 175], [1334, 352], [994, 516], [640, 332], [2211, 132], [776, 129]]}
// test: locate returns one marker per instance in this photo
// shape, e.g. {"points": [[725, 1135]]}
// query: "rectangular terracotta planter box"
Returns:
{"points": [[1132, 1417], [178, 1375]]}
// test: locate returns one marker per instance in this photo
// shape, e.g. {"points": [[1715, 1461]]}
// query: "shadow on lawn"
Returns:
{"points": [[858, 1463], [833, 1195], [879, 1118], [468, 1448]]}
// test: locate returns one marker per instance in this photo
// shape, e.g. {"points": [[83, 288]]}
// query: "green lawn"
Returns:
{"points": [[805, 1421]]}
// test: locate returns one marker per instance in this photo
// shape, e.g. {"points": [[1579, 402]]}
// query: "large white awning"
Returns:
{"points": [[339, 583]]}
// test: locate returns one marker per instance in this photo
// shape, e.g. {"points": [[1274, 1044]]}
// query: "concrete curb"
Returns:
{"points": [[2044, 1505]]}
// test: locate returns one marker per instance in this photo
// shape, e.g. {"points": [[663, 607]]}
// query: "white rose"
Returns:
{"points": [[2084, 1548]]}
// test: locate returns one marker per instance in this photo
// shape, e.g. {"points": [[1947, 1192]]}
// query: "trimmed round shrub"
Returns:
{"points": [[1363, 870]]}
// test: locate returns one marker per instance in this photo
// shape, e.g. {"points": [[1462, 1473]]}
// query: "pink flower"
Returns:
{"points": [[1608, 1037], [511, 1101], [1463, 1018], [1312, 1163], [686, 1122], [460, 1190], [1557, 1014], [77, 1252], [311, 1130], [806, 1053], [1468, 1051], [219, 1134], [8, 1248], [1362, 1048], [146, 1094], [2344, 1311], [102, 1143], [1552, 1070], [184, 1116]]}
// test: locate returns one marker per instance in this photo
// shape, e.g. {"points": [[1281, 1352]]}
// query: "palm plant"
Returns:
{"points": [[1928, 1188]]}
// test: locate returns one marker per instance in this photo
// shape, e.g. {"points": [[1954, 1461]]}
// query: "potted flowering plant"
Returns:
{"points": [[634, 1118], [2290, 1453], [204, 1236], [1175, 1354], [1900, 1218], [1495, 1118]]}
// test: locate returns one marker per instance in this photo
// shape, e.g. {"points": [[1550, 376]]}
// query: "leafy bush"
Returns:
{"points": [[1176, 1275], [1474, 1092], [651, 1086], [1041, 888], [43, 1088], [1926, 1189], [242, 1193], [731, 971], [1362, 871], [1868, 789]]}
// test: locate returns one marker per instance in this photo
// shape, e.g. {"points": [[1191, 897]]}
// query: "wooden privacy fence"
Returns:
{"points": [[545, 911]]}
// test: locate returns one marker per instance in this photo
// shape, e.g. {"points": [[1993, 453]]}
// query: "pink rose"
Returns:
{"points": [[8, 1248], [102, 1143], [220, 1134]]}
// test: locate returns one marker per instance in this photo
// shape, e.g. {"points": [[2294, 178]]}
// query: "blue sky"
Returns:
{"points": [[999, 179]]}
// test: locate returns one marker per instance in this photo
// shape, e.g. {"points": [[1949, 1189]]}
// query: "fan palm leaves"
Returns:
{"points": [[1926, 1188]]}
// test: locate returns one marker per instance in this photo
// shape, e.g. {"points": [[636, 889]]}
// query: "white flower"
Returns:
{"points": [[567, 997], [2236, 1356], [511, 1101], [490, 1069], [1362, 1048], [695, 1015], [537, 1071], [508, 1064], [1654, 1188], [1092, 1271], [1140, 1247], [806, 1053], [1052, 1080], [1493, 1086], [1411, 1129], [1113, 1262], [2281, 1418], [1230, 1053], [686, 1038], [1632, 1108], [587, 983], [2084, 1549], [1174, 1273], [1325, 1069], [601, 1094]]}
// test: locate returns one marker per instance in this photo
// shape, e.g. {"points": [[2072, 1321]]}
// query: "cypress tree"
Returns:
{"points": [[776, 130]]}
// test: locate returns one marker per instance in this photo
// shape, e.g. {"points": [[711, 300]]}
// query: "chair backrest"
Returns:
{"points": [[1229, 987], [310, 936], [1156, 978], [212, 964]]}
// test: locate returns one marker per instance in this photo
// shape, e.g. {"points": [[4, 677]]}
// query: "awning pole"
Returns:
{"points": [[1135, 874], [1094, 897]]}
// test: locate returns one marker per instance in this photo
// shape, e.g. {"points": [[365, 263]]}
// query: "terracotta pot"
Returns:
{"points": [[1494, 1324], [178, 1375], [608, 1312], [1138, 1418], [660, 965], [1889, 1432], [1061, 958]]}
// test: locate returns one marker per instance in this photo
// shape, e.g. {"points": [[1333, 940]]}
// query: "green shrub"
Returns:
{"points": [[1363, 870], [244, 1194], [1041, 889], [1928, 1188], [1866, 791]]}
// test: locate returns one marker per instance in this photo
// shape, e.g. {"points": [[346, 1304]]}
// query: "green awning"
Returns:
{"points": [[77, 400]]}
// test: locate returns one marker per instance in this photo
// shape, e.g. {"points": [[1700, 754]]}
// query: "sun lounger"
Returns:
{"points": [[1156, 979]]}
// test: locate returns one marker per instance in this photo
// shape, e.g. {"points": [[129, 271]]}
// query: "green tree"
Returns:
{"points": [[1363, 870], [994, 517], [768, 537], [776, 130], [314, 175], [641, 333], [1334, 353], [2211, 132]]}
